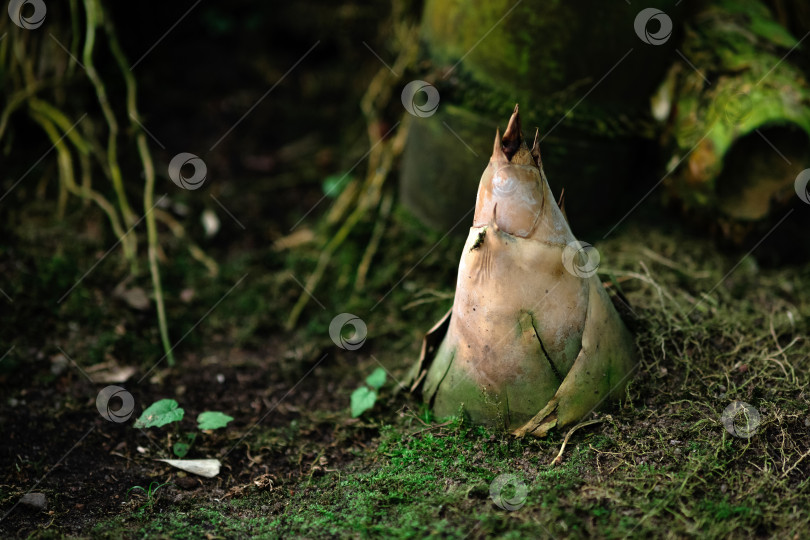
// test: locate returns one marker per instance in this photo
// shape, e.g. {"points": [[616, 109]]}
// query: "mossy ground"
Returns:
{"points": [[712, 328]]}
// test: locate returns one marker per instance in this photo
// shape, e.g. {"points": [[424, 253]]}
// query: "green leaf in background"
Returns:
{"points": [[334, 184], [362, 400], [160, 413], [760, 21], [180, 449], [376, 379], [212, 420]]}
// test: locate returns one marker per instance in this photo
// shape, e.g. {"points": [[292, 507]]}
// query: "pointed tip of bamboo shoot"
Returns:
{"points": [[536, 148], [512, 137], [561, 204], [497, 149]]}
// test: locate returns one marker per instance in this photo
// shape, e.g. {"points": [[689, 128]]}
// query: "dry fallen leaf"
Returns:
{"points": [[208, 468], [110, 371]]}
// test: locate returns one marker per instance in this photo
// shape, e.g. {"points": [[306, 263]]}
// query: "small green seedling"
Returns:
{"points": [[212, 420], [149, 492], [160, 413], [181, 448], [167, 411], [364, 397]]}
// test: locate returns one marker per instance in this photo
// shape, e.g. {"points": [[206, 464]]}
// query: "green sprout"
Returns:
{"points": [[168, 411], [365, 396]]}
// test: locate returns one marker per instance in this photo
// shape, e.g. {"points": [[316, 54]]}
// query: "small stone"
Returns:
{"points": [[37, 501], [187, 482], [58, 364], [135, 297], [187, 295]]}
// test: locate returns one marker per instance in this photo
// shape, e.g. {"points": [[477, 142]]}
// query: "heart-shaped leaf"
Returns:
{"points": [[376, 379], [212, 420], [160, 413], [362, 400]]}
